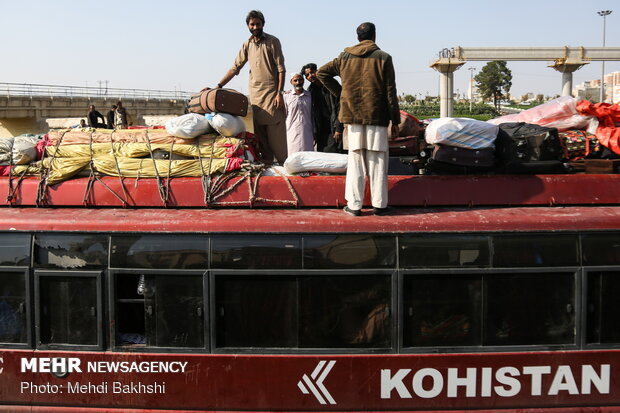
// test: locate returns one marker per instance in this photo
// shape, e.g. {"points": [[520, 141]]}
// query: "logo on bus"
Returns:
{"points": [[315, 382]]}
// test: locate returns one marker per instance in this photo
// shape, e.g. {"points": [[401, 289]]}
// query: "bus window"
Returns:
{"points": [[249, 251], [255, 311], [14, 249], [13, 307], [68, 309], [601, 249], [345, 311], [442, 310], [159, 310], [288, 311], [443, 251], [529, 309], [70, 251], [159, 251], [535, 250], [603, 307], [349, 251]]}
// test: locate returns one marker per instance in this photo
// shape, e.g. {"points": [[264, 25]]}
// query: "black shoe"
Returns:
{"points": [[383, 211], [353, 212]]}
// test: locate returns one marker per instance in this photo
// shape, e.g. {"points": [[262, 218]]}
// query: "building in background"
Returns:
{"points": [[590, 89]]}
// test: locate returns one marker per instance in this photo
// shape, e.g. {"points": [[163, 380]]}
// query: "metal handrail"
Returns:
{"points": [[38, 90]]}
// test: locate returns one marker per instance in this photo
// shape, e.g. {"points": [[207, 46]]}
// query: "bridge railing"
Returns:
{"points": [[103, 92]]}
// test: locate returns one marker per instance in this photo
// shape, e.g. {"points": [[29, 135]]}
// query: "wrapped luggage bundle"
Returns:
{"points": [[307, 161], [135, 153], [461, 132]]}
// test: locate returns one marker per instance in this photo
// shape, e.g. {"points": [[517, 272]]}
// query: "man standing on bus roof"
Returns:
{"points": [[267, 71], [368, 101]]}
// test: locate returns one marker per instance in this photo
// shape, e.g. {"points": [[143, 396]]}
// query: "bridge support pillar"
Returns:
{"points": [[567, 70], [446, 68]]}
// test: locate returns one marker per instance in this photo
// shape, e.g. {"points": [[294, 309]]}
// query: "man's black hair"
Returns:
{"points": [[255, 14], [311, 66], [366, 31]]}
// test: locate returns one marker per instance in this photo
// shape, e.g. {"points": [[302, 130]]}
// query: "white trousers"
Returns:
{"points": [[362, 162]]}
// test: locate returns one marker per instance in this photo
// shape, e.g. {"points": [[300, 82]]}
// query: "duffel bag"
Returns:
{"points": [[434, 167], [454, 155], [533, 142], [218, 100]]}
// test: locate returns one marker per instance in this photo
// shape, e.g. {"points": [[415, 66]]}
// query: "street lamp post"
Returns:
{"points": [[471, 87], [604, 14]]}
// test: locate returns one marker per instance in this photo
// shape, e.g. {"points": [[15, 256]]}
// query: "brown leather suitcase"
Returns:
{"points": [[218, 100], [406, 146]]}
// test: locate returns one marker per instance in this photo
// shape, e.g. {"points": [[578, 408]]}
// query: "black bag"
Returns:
{"points": [[464, 157], [434, 167], [531, 143]]}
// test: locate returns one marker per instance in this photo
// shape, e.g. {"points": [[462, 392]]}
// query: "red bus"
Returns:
{"points": [[479, 294]]}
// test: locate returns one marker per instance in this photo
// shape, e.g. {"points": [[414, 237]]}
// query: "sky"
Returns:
{"points": [[190, 44]]}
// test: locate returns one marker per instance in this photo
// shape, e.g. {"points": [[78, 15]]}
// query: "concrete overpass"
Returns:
{"points": [[26, 108], [563, 59]]}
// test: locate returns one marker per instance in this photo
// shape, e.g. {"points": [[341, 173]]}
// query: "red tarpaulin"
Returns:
{"points": [[608, 132]]}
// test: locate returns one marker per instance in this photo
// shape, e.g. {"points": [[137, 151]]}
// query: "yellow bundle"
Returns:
{"points": [[205, 147], [61, 169]]}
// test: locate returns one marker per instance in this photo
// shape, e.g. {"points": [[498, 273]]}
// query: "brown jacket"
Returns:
{"points": [[368, 92]]}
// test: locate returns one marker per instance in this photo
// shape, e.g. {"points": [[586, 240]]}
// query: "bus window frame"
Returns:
{"points": [[111, 333], [97, 275], [584, 316], [577, 297], [393, 349], [29, 344]]}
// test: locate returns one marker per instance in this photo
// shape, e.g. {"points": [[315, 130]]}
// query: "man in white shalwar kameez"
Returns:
{"points": [[368, 102], [299, 120]]}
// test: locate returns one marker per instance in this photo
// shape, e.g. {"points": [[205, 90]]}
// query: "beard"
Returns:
{"points": [[257, 32]]}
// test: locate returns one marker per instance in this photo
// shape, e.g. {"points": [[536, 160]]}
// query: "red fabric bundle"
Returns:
{"points": [[609, 117]]}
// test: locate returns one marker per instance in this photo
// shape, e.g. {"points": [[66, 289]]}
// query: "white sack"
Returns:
{"points": [[24, 149], [188, 126], [335, 163], [226, 124], [462, 132], [6, 149]]}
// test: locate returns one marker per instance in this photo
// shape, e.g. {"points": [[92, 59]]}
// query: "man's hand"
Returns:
{"points": [[394, 131], [337, 136], [279, 101]]}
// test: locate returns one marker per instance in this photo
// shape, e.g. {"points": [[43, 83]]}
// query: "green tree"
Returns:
{"points": [[494, 81], [408, 98]]}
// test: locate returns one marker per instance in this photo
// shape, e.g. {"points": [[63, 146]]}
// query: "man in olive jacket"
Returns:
{"points": [[368, 102]]}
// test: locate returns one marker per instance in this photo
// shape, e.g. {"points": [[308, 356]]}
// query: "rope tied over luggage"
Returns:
{"points": [[164, 189], [95, 176]]}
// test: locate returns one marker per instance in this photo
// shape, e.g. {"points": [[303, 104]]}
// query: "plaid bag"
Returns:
{"points": [[578, 144]]}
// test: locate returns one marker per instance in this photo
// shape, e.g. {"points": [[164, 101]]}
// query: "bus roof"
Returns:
{"points": [[312, 220], [316, 191]]}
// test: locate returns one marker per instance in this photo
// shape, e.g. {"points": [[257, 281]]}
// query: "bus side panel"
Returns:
{"points": [[311, 383]]}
